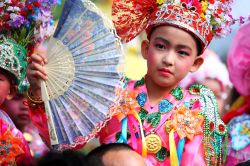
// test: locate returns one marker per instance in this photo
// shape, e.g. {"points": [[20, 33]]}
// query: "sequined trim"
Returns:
{"points": [[165, 106], [141, 99], [139, 83], [177, 93], [162, 154]]}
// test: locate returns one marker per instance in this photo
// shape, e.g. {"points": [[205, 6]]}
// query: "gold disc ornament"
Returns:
{"points": [[153, 142]]}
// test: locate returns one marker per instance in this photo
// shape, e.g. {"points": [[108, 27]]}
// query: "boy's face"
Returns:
{"points": [[171, 53], [5, 88], [18, 111]]}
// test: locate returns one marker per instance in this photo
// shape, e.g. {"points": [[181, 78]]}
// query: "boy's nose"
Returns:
{"points": [[169, 58]]}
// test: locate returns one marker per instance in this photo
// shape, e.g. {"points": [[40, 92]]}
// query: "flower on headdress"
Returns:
{"points": [[204, 5], [9, 148], [186, 122], [159, 2]]}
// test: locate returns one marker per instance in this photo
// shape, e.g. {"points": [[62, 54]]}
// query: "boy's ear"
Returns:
{"points": [[12, 92], [197, 63], [144, 49]]}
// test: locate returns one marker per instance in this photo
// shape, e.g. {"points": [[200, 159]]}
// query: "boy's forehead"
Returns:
{"points": [[8, 75], [172, 34]]}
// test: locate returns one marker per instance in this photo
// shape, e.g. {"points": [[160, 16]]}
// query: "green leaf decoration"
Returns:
{"points": [[139, 83], [177, 93], [154, 118], [162, 154], [143, 114]]}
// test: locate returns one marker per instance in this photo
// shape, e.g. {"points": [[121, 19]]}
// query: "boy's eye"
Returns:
{"points": [[160, 46], [183, 53]]}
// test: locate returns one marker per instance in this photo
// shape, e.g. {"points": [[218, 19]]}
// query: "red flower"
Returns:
{"points": [[14, 2], [20, 5], [29, 6], [6, 16], [211, 1], [23, 13], [198, 6], [184, 1], [6, 26], [36, 4]]}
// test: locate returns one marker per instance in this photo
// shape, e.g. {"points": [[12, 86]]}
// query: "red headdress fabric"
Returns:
{"points": [[131, 17], [239, 61], [202, 18]]}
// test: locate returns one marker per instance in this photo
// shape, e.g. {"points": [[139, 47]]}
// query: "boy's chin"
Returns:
{"points": [[166, 84]]}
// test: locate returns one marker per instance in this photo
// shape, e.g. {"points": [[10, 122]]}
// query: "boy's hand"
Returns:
{"points": [[36, 70]]}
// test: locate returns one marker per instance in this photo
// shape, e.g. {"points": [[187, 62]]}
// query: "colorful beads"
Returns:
{"points": [[154, 118], [165, 106], [195, 89], [141, 99], [211, 126], [143, 114], [162, 154], [221, 128], [177, 93], [139, 83]]}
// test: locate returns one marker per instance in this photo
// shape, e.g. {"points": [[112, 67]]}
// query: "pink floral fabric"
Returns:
{"points": [[239, 61]]}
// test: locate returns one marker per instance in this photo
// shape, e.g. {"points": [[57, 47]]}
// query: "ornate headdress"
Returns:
{"points": [[203, 18], [23, 24], [13, 59]]}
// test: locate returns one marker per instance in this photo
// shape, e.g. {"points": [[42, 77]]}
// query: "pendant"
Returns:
{"points": [[153, 143]]}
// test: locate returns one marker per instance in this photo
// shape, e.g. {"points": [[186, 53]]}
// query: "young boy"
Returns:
{"points": [[181, 127], [12, 71]]}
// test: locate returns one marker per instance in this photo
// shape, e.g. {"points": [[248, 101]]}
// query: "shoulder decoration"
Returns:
{"points": [[215, 131]]}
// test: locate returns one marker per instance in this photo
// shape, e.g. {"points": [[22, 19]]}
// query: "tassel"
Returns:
{"points": [[173, 154]]}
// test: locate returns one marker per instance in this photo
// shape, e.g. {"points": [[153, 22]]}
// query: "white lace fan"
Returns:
{"points": [[84, 68]]}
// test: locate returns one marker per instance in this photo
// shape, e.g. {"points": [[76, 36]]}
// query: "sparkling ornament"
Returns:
{"points": [[153, 143]]}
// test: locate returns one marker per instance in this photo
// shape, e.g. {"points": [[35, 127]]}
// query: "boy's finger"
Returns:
{"points": [[38, 74], [38, 67], [36, 58]]}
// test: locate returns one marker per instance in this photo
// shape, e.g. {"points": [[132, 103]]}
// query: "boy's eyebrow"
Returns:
{"points": [[179, 46]]}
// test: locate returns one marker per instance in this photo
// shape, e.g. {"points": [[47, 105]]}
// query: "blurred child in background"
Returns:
{"points": [[238, 118], [14, 149], [18, 111], [214, 74]]}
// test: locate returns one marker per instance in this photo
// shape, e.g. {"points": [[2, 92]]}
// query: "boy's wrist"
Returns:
{"points": [[34, 99], [35, 92]]}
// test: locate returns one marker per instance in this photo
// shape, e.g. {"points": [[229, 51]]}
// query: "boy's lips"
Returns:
{"points": [[165, 72]]}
